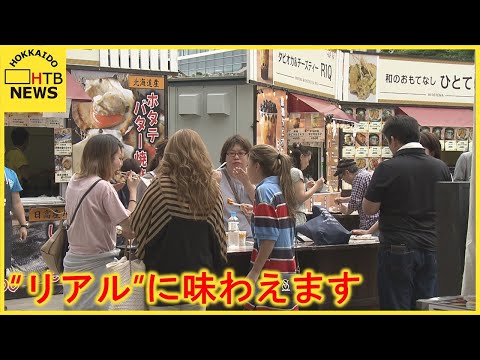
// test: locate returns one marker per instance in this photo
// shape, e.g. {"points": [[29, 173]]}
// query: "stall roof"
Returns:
{"points": [[311, 104], [75, 90], [440, 116]]}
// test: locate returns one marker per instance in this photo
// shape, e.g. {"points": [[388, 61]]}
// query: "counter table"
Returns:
{"points": [[359, 256]]}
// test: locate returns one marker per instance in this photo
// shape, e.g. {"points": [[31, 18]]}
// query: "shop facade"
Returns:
{"points": [[299, 89], [344, 97], [439, 94]]}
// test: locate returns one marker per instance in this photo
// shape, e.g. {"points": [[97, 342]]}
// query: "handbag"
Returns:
{"points": [[324, 229], [126, 268], [55, 248]]}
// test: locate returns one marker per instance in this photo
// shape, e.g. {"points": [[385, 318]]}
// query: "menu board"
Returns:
{"points": [[451, 139], [63, 154], [364, 141]]}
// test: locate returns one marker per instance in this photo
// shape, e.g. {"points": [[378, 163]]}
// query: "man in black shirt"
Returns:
{"points": [[403, 189]]}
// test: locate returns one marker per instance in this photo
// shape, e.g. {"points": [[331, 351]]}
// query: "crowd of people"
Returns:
{"points": [[177, 212]]}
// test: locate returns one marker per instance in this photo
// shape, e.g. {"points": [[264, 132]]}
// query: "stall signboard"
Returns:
{"points": [[296, 136], [450, 145], [307, 71], [46, 214], [314, 136], [360, 77], [348, 152], [395, 80], [462, 145], [271, 118], [63, 154], [375, 151], [386, 152], [146, 82], [361, 152], [130, 107], [306, 128], [16, 119]]}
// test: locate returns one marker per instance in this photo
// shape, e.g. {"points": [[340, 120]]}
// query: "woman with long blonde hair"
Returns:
{"points": [[179, 221], [273, 222]]}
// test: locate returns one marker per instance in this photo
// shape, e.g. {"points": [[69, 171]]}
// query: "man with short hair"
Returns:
{"points": [[403, 189], [348, 171]]}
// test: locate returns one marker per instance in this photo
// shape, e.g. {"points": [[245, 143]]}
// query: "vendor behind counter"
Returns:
{"points": [[39, 153]]}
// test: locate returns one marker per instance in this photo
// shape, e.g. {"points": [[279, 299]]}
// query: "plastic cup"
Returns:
{"points": [[242, 238]]}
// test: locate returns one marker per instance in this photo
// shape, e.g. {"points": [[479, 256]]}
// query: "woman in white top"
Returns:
{"points": [[301, 157]]}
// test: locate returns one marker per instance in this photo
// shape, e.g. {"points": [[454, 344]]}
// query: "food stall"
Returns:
{"points": [[438, 93], [296, 103], [49, 153], [128, 106]]}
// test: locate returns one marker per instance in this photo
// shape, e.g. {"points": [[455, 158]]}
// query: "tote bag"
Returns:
{"points": [[324, 229], [126, 269]]}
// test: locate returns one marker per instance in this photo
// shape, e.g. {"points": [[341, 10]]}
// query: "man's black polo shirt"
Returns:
{"points": [[405, 187]]}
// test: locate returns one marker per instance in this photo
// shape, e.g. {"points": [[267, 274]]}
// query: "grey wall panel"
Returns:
{"points": [[246, 111], [214, 128]]}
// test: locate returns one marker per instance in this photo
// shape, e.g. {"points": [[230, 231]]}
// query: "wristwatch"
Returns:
{"points": [[26, 226]]}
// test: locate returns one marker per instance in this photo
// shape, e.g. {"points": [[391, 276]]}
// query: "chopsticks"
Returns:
{"points": [[123, 173], [221, 166]]}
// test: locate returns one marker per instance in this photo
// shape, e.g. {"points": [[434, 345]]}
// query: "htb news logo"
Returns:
{"points": [[34, 79]]}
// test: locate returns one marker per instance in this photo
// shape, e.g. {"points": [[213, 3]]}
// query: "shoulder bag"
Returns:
{"points": [[125, 269], [55, 248], [234, 189]]}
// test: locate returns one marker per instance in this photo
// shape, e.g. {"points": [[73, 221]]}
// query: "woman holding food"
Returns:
{"points": [[238, 193], [301, 157], [92, 234], [273, 223]]}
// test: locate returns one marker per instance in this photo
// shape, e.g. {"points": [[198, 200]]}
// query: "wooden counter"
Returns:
{"points": [[360, 256]]}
